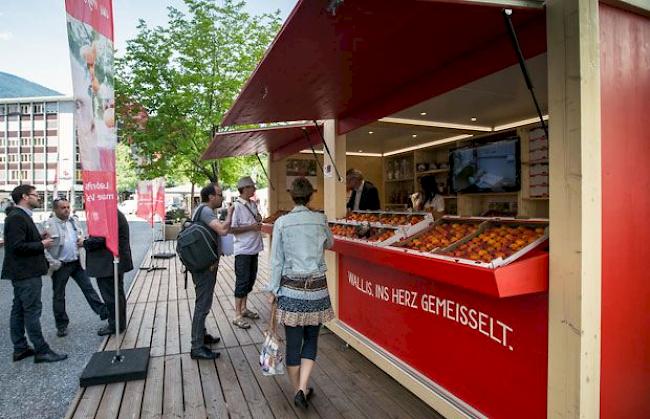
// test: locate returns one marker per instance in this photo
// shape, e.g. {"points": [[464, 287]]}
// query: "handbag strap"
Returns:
{"points": [[273, 322]]}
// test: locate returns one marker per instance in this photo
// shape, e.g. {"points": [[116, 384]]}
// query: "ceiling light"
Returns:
{"points": [[371, 132], [423, 113], [349, 153], [435, 124], [519, 123], [473, 119], [429, 144], [414, 135], [360, 151]]}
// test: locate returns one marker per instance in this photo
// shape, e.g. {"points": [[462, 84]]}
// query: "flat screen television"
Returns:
{"points": [[492, 167]]}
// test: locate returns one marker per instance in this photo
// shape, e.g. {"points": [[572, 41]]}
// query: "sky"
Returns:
{"points": [[34, 43]]}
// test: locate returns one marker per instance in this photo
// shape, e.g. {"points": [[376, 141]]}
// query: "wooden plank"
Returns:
{"points": [[172, 345], [132, 400], [235, 399], [280, 406], [173, 399], [363, 400], [111, 400], [289, 393], [243, 338], [89, 402], [254, 334], [155, 286], [73, 404], [327, 385], [394, 390], [152, 401], [257, 404], [171, 278], [146, 328], [112, 342], [225, 328], [192, 394], [163, 288], [159, 330], [185, 325], [133, 328], [337, 366], [146, 278], [215, 403]]}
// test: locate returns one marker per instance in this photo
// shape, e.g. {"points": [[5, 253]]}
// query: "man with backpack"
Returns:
{"points": [[205, 279]]}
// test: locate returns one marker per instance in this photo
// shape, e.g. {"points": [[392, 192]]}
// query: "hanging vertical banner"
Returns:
{"points": [[90, 37], [145, 200], [159, 198]]}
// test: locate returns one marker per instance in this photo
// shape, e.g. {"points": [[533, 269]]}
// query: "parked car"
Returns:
{"points": [[128, 207]]}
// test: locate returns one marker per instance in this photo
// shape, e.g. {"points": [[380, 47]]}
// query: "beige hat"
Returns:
{"points": [[244, 182], [301, 187]]}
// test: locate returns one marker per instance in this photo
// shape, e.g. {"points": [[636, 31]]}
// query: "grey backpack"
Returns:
{"points": [[197, 244]]}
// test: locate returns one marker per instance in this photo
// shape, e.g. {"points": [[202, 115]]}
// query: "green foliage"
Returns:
{"points": [[233, 168], [125, 168], [186, 75]]}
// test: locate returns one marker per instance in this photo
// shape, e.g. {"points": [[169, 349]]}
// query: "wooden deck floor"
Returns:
{"points": [[159, 311]]}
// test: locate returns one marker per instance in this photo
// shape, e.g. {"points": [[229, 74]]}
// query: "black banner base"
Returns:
{"points": [[104, 368]]}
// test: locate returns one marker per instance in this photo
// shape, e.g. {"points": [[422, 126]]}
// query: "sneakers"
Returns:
{"points": [[108, 330], [49, 356], [203, 353], [25, 353], [62, 332]]}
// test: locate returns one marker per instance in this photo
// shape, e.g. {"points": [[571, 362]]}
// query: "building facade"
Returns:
{"points": [[38, 146]]}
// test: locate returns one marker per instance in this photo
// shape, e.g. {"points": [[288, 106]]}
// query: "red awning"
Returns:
{"points": [[282, 141], [376, 57]]}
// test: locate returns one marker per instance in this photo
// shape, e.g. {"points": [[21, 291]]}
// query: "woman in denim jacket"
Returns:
{"points": [[299, 284]]}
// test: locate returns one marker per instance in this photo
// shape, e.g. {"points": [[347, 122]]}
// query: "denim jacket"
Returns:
{"points": [[299, 240]]}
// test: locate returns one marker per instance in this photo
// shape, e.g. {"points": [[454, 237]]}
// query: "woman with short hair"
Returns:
{"points": [[298, 284]]}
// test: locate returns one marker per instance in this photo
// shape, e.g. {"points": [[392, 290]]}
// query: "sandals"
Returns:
{"points": [[251, 314], [241, 323]]}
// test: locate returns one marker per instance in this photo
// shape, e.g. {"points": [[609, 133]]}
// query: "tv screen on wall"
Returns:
{"points": [[492, 167]]}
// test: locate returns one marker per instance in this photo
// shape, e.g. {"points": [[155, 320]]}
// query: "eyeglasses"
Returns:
{"points": [[33, 194]]}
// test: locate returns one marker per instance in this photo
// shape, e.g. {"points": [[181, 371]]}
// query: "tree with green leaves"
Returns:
{"points": [[125, 169], [186, 75]]}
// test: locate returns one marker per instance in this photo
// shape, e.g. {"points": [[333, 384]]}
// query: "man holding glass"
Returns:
{"points": [[64, 261], [24, 264]]}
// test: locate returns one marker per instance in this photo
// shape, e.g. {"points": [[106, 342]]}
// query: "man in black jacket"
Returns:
{"points": [[24, 264], [365, 196], [99, 263]]}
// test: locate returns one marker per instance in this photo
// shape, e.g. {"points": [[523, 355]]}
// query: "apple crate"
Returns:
{"points": [[372, 238], [405, 245], [379, 219], [540, 238]]}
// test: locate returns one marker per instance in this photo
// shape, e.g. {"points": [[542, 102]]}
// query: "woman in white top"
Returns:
{"points": [[429, 198]]}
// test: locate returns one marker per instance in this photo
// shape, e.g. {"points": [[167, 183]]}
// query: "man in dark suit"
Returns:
{"points": [[365, 196], [99, 263], [24, 264]]}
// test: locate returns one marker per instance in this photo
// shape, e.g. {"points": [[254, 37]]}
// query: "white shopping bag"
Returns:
{"points": [[271, 357]]}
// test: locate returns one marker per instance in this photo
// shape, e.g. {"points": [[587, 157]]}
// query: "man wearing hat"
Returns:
{"points": [[246, 227]]}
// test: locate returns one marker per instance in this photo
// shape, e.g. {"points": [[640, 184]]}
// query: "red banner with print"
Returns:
{"points": [[90, 38]]}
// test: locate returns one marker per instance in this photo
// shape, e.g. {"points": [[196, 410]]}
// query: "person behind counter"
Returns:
{"points": [[365, 196], [299, 286], [429, 197]]}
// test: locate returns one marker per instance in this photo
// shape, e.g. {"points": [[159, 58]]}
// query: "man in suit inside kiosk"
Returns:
{"points": [[364, 196]]}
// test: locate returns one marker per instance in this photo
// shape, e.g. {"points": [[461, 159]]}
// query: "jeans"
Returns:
{"points": [[204, 286], [26, 315], [59, 282], [302, 343], [106, 286], [245, 274]]}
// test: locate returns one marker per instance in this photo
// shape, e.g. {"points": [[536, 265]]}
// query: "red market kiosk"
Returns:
{"points": [[561, 333]]}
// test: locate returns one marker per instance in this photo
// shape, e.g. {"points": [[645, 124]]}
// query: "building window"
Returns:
{"points": [[13, 110], [25, 109], [13, 142], [25, 141], [3, 109], [24, 174], [39, 141], [2, 142], [12, 158], [52, 124], [25, 157], [14, 174], [51, 107], [3, 158], [38, 108]]}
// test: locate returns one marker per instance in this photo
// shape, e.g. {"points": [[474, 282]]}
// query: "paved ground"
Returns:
{"points": [[29, 390]]}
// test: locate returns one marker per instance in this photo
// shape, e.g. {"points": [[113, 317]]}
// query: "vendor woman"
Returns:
{"points": [[429, 198]]}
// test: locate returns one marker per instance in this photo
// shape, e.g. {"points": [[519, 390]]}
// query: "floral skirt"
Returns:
{"points": [[305, 302]]}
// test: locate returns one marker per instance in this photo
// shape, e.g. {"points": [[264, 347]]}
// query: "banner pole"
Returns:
{"points": [[116, 262]]}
